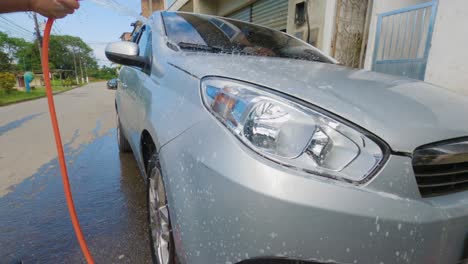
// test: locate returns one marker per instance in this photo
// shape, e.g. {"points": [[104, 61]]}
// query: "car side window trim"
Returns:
{"points": [[145, 35]]}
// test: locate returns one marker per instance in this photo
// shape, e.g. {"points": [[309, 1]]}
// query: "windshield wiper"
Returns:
{"points": [[198, 47], [201, 47]]}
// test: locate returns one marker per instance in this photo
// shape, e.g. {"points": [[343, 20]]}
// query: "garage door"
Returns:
{"points": [[243, 14], [270, 13]]}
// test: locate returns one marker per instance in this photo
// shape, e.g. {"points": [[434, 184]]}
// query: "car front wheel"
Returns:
{"points": [[162, 242], [122, 141]]}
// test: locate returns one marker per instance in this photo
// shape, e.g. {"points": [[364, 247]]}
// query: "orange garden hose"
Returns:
{"points": [[58, 142]]}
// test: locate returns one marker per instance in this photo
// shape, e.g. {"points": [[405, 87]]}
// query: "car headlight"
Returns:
{"points": [[292, 134]]}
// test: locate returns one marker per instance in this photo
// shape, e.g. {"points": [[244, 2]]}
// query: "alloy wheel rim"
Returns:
{"points": [[159, 218]]}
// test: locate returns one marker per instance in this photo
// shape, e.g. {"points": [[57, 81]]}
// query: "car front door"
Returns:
{"points": [[129, 93], [137, 79]]}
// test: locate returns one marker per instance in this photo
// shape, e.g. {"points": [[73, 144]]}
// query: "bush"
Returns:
{"points": [[7, 82], [69, 82]]}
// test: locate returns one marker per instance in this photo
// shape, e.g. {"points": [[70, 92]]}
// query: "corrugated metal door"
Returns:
{"points": [[244, 14], [269, 13]]}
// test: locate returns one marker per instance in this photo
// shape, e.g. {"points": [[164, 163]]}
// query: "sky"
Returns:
{"points": [[96, 24]]}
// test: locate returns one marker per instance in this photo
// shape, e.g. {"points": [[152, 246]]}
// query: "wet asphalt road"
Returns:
{"points": [[109, 194]]}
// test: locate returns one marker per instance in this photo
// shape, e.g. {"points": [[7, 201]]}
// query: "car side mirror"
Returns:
{"points": [[126, 53]]}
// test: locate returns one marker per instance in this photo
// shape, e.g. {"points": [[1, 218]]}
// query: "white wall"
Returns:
{"points": [[329, 26], [316, 13], [448, 56], [382, 6]]}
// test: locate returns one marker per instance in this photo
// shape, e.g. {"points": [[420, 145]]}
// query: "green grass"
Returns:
{"points": [[19, 96]]}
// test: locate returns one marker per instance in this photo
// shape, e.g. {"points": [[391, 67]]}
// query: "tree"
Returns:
{"points": [[104, 73], [29, 58], [16, 54], [10, 50], [62, 47], [7, 82], [5, 62]]}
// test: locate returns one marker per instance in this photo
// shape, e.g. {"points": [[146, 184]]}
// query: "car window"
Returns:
{"points": [[195, 32], [144, 42], [145, 46]]}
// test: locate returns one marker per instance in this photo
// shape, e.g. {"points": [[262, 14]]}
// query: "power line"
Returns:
{"points": [[16, 31], [15, 25], [13, 32], [59, 30]]}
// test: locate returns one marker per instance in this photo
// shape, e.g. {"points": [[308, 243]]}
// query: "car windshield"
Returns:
{"points": [[203, 33]]}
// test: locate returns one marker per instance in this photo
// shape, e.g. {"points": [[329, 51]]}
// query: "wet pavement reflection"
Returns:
{"points": [[110, 199]]}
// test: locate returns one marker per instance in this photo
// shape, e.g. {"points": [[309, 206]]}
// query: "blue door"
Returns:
{"points": [[403, 40]]}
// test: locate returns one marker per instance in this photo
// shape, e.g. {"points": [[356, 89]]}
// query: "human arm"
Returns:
{"points": [[47, 8]]}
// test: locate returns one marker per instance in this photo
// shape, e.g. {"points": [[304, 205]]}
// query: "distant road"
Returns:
{"points": [[26, 139]]}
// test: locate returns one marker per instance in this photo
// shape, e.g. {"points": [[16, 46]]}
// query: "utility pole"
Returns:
{"points": [[86, 72], [38, 34], [81, 66], [74, 61]]}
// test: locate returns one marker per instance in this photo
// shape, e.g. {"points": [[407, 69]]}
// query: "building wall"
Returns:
{"points": [[187, 7], [382, 6], [150, 6], [316, 12], [226, 7], [448, 57], [177, 5], [168, 3], [219, 8], [328, 26], [205, 7]]}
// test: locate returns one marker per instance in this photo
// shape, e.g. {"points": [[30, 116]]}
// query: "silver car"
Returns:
{"points": [[258, 148]]}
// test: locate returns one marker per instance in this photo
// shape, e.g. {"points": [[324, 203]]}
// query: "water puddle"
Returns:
{"points": [[110, 198]]}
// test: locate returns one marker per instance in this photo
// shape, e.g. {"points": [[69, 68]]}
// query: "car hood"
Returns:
{"points": [[403, 112]]}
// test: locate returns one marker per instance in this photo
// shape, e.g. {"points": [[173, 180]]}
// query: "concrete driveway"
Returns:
{"points": [[108, 190]]}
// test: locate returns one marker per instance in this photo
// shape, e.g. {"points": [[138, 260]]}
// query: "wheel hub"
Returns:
{"points": [[159, 218]]}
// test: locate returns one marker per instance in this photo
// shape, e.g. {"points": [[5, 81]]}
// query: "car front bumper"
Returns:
{"points": [[228, 204]]}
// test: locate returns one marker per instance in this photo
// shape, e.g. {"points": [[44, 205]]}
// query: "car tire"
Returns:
{"points": [[159, 223], [122, 141]]}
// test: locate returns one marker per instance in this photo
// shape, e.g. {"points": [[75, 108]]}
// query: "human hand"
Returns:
{"points": [[54, 8]]}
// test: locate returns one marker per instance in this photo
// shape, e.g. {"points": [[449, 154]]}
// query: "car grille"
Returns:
{"points": [[442, 168]]}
